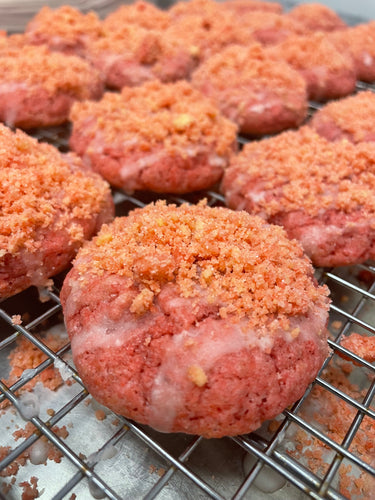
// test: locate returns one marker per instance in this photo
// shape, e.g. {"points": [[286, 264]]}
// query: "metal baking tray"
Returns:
{"points": [[101, 455]]}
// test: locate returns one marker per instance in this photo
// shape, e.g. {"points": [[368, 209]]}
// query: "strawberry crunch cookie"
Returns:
{"points": [[64, 29], [317, 17], [195, 319], [157, 137], [260, 94], [352, 118], [321, 192], [129, 55], [49, 205], [38, 87]]}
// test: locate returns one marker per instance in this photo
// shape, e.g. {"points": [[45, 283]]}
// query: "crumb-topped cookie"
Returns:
{"points": [[64, 29], [49, 204], [128, 55], [157, 137], [261, 95], [317, 17], [38, 87], [195, 319], [352, 118], [329, 73], [322, 192]]}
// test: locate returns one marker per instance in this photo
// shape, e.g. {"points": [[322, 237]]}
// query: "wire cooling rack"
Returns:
{"points": [[323, 447]]}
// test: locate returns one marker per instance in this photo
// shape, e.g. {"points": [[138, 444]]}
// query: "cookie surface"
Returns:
{"points": [[195, 319], [49, 205], [321, 192], [156, 137]]}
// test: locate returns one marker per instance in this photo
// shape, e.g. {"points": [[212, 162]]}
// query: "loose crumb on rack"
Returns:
{"points": [[361, 345], [334, 416], [336, 324], [16, 319], [30, 489], [26, 356], [100, 415]]}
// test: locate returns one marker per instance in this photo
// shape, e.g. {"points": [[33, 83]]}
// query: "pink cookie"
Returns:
{"points": [[321, 192], [50, 205], [157, 137], [317, 17], [261, 95], [195, 319], [38, 87], [352, 118], [328, 73]]}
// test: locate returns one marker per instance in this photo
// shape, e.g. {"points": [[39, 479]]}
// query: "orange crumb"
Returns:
{"points": [[100, 415], [140, 13], [46, 176], [61, 432], [309, 51], [316, 16], [234, 246], [14, 466], [161, 471], [56, 72], [336, 324], [347, 368], [16, 319], [354, 116], [50, 412], [65, 23], [361, 345], [285, 161], [245, 64], [335, 417], [197, 375]]}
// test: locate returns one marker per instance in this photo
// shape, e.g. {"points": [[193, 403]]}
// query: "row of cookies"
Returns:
{"points": [[259, 65]]}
